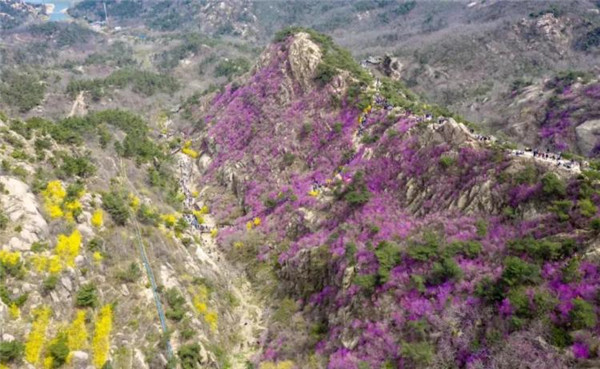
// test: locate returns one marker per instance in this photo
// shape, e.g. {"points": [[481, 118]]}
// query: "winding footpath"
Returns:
{"points": [[249, 311]]}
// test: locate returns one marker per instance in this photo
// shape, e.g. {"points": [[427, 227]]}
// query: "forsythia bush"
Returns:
{"points": [[98, 257], [257, 221], [37, 335], [98, 218], [198, 214], [9, 259], [77, 333], [186, 149], [288, 364], [54, 194], [14, 311], [71, 207], [134, 201], [67, 247], [57, 203], [101, 339], [43, 263], [199, 301], [169, 220]]}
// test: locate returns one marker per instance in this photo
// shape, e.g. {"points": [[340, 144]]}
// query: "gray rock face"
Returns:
{"points": [[80, 360], [391, 67], [587, 135], [22, 208]]}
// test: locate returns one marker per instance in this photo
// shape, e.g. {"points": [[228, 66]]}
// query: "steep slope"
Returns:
{"points": [[108, 254], [384, 238]]}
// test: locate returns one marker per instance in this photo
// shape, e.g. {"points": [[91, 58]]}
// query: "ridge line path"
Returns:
{"points": [[555, 161], [250, 309]]}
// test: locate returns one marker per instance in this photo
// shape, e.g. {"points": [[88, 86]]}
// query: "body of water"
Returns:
{"points": [[60, 8]]}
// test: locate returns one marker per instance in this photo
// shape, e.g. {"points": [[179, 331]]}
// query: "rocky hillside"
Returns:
{"points": [[108, 256], [384, 238], [465, 55]]}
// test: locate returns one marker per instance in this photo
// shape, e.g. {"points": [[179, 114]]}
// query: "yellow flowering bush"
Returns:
{"points": [[287, 364], [214, 232], [257, 221], [134, 201], [101, 338], [186, 149], [8, 258], [238, 245], [313, 193], [53, 195], [58, 204], [199, 300], [195, 194], [98, 257], [249, 225], [97, 218], [43, 263], [198, 214], [37, 335], [77, 333], [67, 247], [169, 220], [204, 210], [14, 311]]}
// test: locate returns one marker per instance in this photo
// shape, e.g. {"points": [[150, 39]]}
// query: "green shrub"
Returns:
{"points": [[583, 314], [22, 90], [425, 250], [420, 353], [59, 351], [233, 67], [11, 352], [520, 302], [587, 208], [3, 220], [176, 303], [87, 296], [131, 274], [357, 194], [470, 249], [325, 73], [553, 186], [388, 256], [444, 270], [146, 215], [189, 355], [77, 166], [366, 281], [49, 283], [482, 227], [595, 225], [561, 208], [518, 272], [115, 203], [560, 337], [446, 161], [489, 290], [541, 250]]}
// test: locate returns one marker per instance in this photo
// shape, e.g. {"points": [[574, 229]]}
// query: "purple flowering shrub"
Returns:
{"points": [[396, 258]]}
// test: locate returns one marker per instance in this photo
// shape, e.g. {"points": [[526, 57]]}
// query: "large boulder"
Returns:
{"points": [[587, 135]]}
